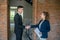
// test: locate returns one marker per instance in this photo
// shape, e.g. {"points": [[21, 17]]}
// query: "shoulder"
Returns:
{"points": [[46, 21], [16, 14]]}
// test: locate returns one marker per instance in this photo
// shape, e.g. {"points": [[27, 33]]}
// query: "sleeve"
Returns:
{"points": [[20, 21], [23, 26], [34, 26], [37, 25]]}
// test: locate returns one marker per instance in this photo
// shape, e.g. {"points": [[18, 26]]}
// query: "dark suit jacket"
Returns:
{"points": [[45, 28], [18, 23]]}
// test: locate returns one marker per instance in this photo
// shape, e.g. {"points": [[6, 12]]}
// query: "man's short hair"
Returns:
{"points": [[19, 7]]}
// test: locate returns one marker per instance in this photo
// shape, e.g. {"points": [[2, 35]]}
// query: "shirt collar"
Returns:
{"points": [[20, 14]]}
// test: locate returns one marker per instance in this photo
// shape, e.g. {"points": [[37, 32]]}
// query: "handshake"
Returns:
{"points": [[27, 27]]}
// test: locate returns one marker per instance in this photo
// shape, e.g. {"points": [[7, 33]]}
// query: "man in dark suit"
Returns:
{"points": [[18, 23]]}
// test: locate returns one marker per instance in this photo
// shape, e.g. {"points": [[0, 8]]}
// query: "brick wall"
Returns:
{"points": [[3, 20], [53, 7]]}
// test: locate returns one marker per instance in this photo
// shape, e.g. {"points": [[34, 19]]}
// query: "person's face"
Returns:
{"points": [[42, 16], [20, 10]]}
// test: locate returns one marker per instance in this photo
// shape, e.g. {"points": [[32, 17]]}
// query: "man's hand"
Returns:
{"points": [[28, 27]]}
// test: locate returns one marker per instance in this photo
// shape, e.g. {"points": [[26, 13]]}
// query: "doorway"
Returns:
{"points": [[27, 16]]}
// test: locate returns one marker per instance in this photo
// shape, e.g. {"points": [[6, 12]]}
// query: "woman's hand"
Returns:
{"points": [[28, 27]]}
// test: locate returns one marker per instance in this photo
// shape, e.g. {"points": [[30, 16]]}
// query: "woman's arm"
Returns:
{"points": [[37, 25], [34, 26]]}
